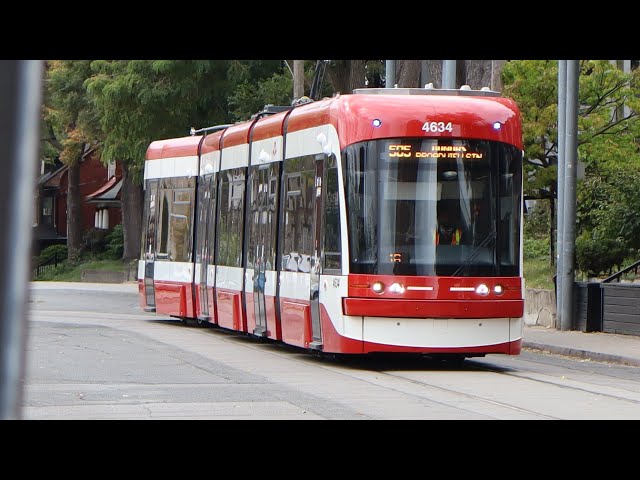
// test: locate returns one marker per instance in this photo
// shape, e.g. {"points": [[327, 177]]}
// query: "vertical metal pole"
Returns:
{"points": [[390, 73], [449, 74], [20, 84], [569, 231], [626, 67], [562, 125]]}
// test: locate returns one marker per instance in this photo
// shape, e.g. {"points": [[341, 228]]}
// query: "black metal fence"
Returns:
{"points": [[46, 265]]}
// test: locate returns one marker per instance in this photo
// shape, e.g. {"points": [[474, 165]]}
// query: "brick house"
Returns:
{"points": [[100, 193]]}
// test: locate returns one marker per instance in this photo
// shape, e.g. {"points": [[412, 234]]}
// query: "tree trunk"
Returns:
{"points": [[433, 72], [131, 199], [480, 73], [298, 78], [461, 73], [475, 73], [357, 75], [347, 75], [408, 73], [496, 74], [74, 213]]}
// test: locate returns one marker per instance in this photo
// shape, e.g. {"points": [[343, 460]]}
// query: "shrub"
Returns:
{"points": [[93, 241], [49, 252], [115, 243], [597, 256], [536, 248]]}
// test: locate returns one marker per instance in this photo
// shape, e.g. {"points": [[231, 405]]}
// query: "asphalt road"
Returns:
{"points": [[92, 353]]}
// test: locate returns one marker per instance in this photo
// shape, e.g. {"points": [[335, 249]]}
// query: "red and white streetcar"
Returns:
{"points": [[387, 220]]}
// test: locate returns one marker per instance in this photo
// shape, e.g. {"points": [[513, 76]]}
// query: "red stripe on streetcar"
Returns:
{"points": [[378, 307]]}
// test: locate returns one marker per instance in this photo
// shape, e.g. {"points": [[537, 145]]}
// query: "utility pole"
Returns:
{"points": [[626, 68], [390, 73], [298, 79], [562, 126], [449, 74], [569, 220], [20, 103]]}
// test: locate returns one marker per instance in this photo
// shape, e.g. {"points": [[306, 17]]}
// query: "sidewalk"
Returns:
{"points": [[597, 346]]}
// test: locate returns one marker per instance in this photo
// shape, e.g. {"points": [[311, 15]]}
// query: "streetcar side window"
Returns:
{"points": [[297, 238], [180, 223], [201, 209], [510, 200], [332, 239], [175, 219], [230, 228], [163, 226], [149, 233], [254, 211]]}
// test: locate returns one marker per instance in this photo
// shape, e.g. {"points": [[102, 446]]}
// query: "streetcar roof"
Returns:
{"points": [[174, 147], [369, 114]]}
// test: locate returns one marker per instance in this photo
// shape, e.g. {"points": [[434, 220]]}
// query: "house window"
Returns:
{"points": [[111, 169], [47, 211]]}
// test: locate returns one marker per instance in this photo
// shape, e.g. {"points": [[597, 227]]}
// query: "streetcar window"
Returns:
{"points": [[202, 214], [163, 227], [297, 238], [149, 234], [180, 221], [395, 187], [230, 228], [332, 244], [176, 222], [509, 185]]}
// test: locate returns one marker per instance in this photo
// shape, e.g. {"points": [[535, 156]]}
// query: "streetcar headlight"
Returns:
{"points": [[482, 289], [396, 288], [378, 287], [498, 289]]}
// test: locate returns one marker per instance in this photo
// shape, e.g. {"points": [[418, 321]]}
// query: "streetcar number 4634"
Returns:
{"points": [[437, 127]]}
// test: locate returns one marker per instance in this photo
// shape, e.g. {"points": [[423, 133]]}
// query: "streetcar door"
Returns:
{"points": [[206, 235], [151, 202], [314, 294], [263, 224]]}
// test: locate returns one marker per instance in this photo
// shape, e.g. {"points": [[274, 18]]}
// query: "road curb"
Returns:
{"points": [[579, 353]]}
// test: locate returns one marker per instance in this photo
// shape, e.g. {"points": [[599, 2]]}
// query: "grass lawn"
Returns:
{"points": [[538, 273], [66, 273]]}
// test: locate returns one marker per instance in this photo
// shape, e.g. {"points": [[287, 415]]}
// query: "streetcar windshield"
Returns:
{"points": [[447, 207]]}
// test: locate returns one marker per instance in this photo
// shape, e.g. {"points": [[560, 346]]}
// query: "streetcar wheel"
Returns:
{"points": [[454, 360]]}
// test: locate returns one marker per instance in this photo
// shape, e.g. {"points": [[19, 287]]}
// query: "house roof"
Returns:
{"points": [[108, 192], [52, 179]]}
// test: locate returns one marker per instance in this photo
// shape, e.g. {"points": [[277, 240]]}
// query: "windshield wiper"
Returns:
{"points": [[490, 236]]}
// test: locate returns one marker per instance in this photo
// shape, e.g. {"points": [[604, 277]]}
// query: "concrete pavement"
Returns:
{"points": [[597, 346]]}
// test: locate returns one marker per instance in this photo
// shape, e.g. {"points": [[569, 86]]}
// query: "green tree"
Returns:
{"points": [[608, 202], [71, 126], [606, 129], [139, 101], [258, 83], [603, 89]]}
